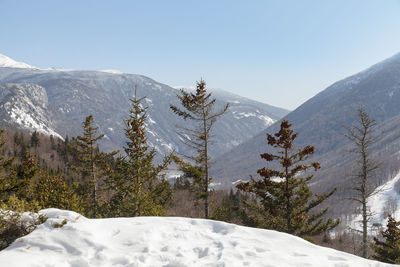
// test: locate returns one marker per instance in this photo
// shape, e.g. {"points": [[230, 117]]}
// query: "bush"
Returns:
{"points": [[15, 223]]}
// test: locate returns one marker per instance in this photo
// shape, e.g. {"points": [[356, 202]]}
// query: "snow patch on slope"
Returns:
{"points": [[265, 119], [6, 62], [385, 200], [165, 241], [25, 120], [26, 106], [113, 71]]}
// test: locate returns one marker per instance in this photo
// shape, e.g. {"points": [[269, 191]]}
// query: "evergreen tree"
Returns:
{"points": [[89, 163], [53, 144], [138, 186], [7, 176], [24, 173], [53, 192], [284, 199], [388, 250], [199, 108], [35, 141]]}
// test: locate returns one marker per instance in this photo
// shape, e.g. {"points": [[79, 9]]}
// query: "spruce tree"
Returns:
{"points": [[138, 186], [284, 199], [89, 163], [199, 108], [389, 249]]}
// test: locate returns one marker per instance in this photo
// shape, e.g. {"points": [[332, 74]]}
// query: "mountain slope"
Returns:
{"points": [[72, 95], [165, 241], [26, 105], [320, 121]]}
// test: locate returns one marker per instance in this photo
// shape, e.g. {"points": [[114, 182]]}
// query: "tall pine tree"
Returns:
{"points": [[284, 199], [90, 164], [138, 186], [199, 108]]}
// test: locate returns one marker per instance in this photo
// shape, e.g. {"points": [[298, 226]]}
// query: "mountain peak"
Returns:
{"points": [[7, 62]]}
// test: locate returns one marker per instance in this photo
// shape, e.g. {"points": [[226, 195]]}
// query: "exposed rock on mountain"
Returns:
{"points": [[26, 107]]}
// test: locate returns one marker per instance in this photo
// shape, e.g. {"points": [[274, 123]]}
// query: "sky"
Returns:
{"points": [[279, 52]]}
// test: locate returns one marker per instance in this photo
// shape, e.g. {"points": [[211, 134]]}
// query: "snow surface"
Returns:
{"points": [[384, 200], [10, 63], [240, 115], [165, 241]]}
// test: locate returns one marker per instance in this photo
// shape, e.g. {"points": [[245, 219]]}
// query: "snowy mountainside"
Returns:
{"points": [[25, 106], [319, 122], [7, 62], [72, 95], [165, 241]]}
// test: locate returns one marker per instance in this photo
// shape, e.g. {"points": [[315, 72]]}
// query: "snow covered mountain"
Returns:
{"points": [[165, 241], [69, 96], [6, 62]]}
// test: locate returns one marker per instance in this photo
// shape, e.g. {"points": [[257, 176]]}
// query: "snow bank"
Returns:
{"points": [[164, 241]]}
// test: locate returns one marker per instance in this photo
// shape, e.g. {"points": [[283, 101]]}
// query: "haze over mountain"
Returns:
{"points": [[56, 101], [320, 121]]}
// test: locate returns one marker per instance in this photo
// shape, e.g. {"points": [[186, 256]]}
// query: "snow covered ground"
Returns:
{"points": [[164, 241], [384, 201]]}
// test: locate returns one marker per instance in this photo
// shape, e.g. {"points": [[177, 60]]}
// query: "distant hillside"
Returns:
{"points": [[57, 101]]}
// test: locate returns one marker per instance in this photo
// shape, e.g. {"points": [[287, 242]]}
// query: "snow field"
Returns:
{"points": [[164, 241]]}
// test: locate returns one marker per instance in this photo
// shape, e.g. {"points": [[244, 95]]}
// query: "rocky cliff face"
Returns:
{"points": [[25, 106]]}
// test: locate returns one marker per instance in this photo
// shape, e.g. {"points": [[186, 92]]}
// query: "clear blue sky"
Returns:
{"points": [[279, 52]]}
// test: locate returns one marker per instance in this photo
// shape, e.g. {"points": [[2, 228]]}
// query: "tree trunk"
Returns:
{"points": [[288, 213], [206, 211]]}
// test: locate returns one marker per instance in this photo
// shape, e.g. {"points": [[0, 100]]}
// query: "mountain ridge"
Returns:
{"points": [[74, 94]]}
